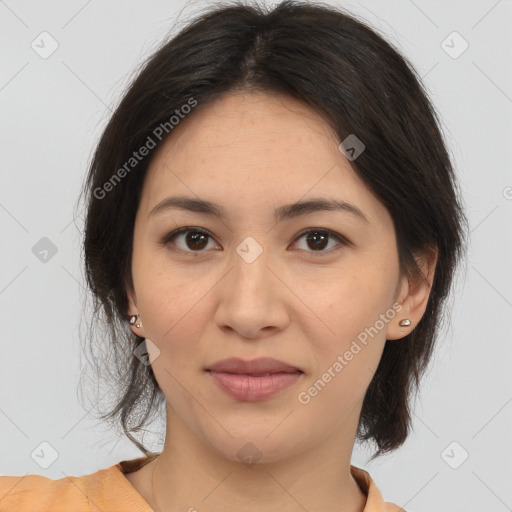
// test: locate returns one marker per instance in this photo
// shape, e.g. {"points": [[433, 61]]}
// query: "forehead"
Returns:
{"points": [[249, 150]]}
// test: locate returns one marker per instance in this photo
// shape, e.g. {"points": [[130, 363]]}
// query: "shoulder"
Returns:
{"points": [[38, 493], [107, 490], [391, 507], [374, 498]]}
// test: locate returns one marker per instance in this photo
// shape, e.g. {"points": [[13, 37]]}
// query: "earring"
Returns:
{"points": [[405, 323], [133, 319]]}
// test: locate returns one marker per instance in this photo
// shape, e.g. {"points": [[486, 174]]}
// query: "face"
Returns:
{"points": [[315, 290]]}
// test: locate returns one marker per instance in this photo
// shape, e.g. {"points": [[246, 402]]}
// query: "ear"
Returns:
{"points": [[413, 296], [132, 310]]}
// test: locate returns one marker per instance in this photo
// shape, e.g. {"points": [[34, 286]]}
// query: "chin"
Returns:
{"points": [[252, 449]]}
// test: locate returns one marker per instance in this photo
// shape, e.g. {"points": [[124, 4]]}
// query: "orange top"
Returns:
{"points": [[108, 490]]}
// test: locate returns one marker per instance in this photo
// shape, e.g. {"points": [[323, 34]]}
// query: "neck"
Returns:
{"points": [[188, 475]]}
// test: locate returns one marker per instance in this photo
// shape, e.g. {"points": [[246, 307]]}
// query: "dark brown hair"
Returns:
{"points": [[341, 67]]}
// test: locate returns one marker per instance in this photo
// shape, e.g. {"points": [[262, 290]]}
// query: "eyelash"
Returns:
{"points": [[343, 242]]}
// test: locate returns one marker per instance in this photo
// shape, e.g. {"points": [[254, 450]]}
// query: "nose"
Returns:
{"points": [[252, 299]]}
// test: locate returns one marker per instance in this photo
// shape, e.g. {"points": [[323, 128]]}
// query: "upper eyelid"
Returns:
{"points": [[185, 229]]}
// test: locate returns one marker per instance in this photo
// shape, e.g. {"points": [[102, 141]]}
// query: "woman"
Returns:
{"points": [[272, 229]]}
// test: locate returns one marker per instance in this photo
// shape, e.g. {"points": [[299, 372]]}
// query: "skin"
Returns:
{"points": [[251, 153]]}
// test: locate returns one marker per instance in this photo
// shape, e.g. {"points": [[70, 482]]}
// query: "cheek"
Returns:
{"points": [[347, 360], [176, 320], [355, 307], [173, 318], [163, 296], [350, 303]]}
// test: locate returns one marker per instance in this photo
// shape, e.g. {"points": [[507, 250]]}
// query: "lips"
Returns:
{"points": [[261, 366], [255, 380]]}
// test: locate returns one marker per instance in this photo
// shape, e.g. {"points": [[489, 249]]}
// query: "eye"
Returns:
{"points": [[317, 239], [195, 239]]}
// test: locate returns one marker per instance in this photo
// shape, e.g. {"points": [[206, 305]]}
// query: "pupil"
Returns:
{"points": [[196, 240], [315, 235], [319, 240]]}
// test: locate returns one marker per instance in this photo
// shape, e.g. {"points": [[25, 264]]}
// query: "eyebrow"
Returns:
{"points": [[288, 211]]}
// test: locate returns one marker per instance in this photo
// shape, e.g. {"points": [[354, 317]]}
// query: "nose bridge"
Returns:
{"points": [[248, 301], [251, 272]]}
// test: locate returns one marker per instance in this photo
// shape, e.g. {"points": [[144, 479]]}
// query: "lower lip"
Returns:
{"points": [[250, 388]]}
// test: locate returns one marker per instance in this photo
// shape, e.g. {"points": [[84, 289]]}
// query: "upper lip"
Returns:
{"points": [[255, 366]]}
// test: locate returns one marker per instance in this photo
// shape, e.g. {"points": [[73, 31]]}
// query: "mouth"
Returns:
{"points": [[253, 374], [255, 380], [263, 366], [254, 387]]}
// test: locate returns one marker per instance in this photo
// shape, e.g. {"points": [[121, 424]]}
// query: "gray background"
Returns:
{"points": [[52, 112]]}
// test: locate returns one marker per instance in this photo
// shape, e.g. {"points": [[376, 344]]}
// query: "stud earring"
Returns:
{"points": [[133, 319], [405, 323]]}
